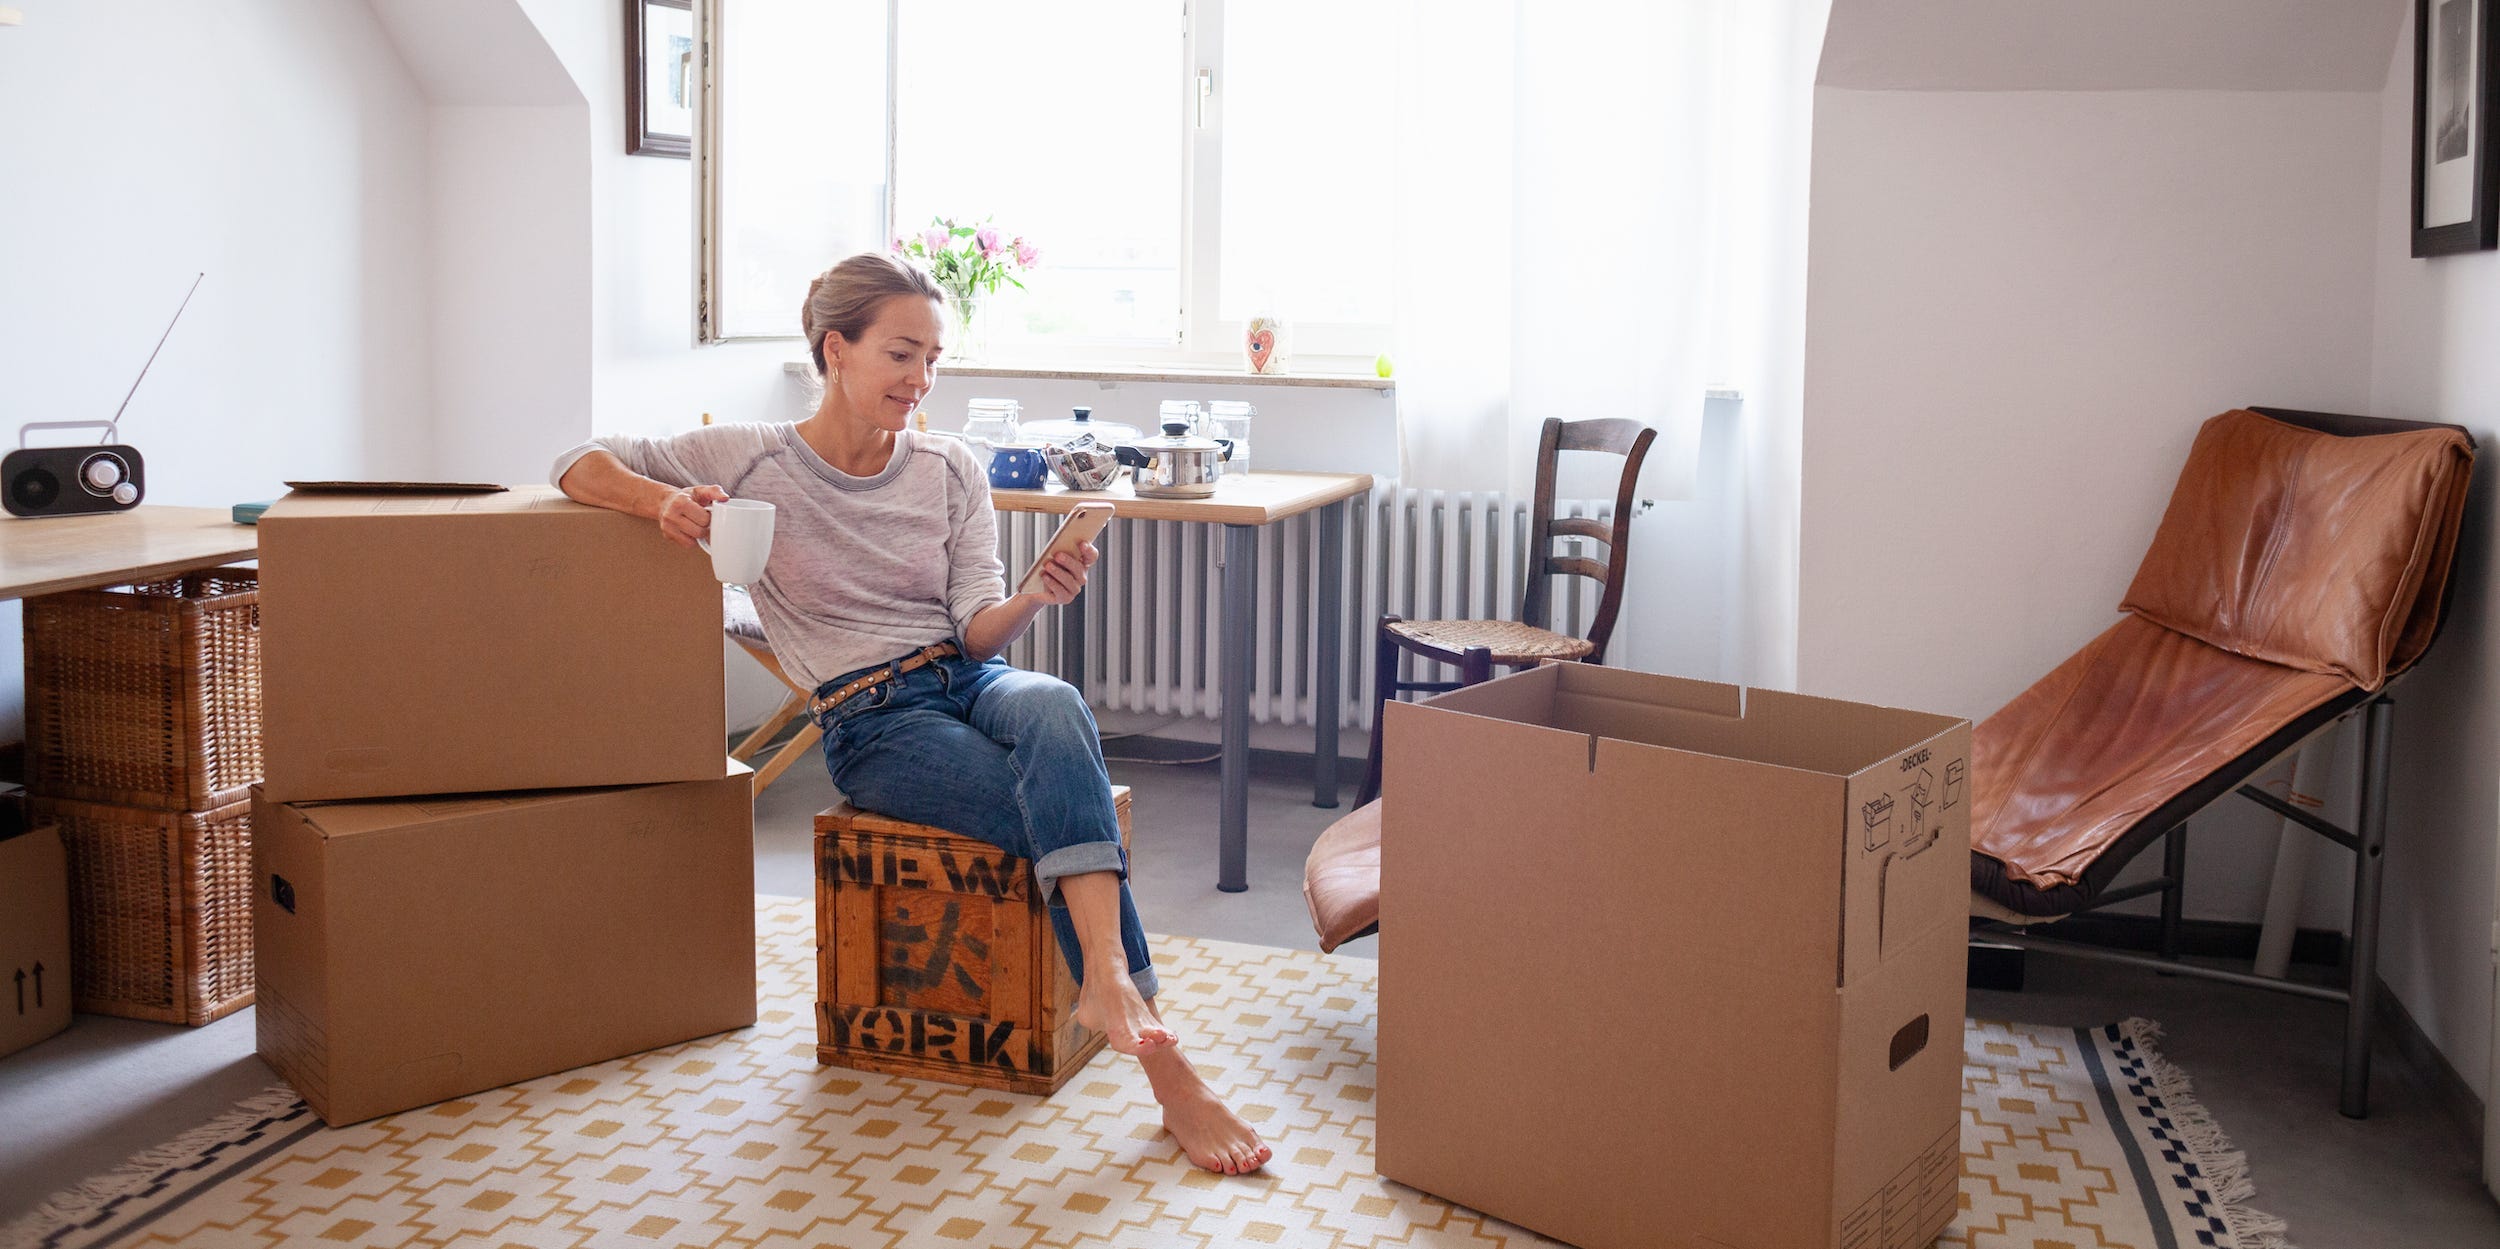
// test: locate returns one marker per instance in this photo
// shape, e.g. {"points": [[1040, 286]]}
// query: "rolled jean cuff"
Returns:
{"points": [[1076, 860], [1146, 981]]}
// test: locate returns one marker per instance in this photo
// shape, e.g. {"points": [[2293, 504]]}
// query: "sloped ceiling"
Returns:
{"points": [[476, 52], [2110, 45]]}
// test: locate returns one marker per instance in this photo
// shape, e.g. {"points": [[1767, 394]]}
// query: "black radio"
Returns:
{"points": [[67, 481], [70, 481]]}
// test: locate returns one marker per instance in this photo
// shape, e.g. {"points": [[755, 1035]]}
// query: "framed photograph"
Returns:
{"points": [[2453, 103], [660, 78]]}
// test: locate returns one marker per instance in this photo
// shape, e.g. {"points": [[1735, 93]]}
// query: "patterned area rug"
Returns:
{"points": [[743, 1140]]}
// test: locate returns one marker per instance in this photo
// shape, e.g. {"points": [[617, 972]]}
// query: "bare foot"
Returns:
{"points": [[1208, 1131], [1108, 1004]]}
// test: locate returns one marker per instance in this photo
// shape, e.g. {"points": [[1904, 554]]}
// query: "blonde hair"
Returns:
{"points": [[844, 298]]}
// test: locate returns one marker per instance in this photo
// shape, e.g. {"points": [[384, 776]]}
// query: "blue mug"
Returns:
{"points": [[1015, 468]]}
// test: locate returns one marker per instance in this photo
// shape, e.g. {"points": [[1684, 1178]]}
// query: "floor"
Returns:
{"points": [[2265, 1064]]}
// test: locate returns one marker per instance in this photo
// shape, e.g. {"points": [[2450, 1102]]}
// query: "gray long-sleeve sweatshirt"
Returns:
{"points": [[863, 569]]}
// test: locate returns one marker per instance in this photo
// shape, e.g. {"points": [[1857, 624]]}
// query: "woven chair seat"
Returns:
{"points": [[739, 621], [1510, 641]]}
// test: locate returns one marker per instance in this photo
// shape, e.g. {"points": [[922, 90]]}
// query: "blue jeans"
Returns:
{"points": [[994, 752]]}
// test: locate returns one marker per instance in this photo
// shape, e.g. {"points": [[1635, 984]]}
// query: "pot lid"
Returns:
{"points": [[1176, 437]]}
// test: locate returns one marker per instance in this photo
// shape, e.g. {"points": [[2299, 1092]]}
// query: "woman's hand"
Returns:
{"points": [[1065, 574], [685, 515]]}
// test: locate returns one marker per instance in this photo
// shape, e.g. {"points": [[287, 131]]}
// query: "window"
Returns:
{"points": [[794, 154], [1182, 166]]}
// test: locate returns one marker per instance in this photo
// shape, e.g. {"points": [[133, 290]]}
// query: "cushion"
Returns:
{"points": [[2132, 720], [1341, 879], [739, 619], [2323, 553]]}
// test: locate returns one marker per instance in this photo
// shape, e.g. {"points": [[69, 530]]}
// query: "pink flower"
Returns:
{"points": [[1026, 253], [986, 239], [934, 239], [898, 246]]}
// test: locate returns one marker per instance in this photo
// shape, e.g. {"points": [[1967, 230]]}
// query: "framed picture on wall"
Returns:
{"points": [[2454, 180], [659, 78]]}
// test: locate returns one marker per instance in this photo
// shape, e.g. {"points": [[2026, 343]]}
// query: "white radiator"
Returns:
{"points": [[1153, 607]]}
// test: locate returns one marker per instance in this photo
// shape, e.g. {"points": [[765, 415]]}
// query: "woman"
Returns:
{"points": [[884, 592]]}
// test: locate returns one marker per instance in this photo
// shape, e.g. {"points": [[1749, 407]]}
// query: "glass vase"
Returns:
{"points": [[967, 328]]}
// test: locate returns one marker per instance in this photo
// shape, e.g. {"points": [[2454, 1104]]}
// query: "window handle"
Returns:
{"points": [[1206, 92]]}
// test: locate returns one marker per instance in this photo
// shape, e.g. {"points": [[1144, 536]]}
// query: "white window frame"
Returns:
{"points": [[1205, 338]]}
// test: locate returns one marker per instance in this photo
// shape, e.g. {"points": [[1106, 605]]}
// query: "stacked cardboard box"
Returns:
{"points": [[499, 836]]}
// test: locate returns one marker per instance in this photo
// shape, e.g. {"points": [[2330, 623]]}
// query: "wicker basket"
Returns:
{"points": [[146, 695], [160, 907]]}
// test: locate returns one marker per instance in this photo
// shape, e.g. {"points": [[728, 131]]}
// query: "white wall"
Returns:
{"points": [[2020, 306], [2436, 356], [510, 297], [2010, 343], [281, 147]]}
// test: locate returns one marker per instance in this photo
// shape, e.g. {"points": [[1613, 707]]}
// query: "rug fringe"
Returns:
{"points": [[74, 1206], [2226, 1168]]}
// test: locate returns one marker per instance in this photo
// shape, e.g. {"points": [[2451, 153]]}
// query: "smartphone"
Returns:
{"points": [[1082, 526]]}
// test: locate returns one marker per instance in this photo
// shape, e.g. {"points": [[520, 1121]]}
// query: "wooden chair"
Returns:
{"points": [[1477, 647], [739, 621]]}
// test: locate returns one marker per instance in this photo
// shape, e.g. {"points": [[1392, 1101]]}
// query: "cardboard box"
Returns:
{"points": [[34, 937], [420, 949], [1696, 950], [434, 644]]}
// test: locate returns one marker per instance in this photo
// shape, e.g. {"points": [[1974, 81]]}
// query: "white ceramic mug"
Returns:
{"points": [[742, 536]]}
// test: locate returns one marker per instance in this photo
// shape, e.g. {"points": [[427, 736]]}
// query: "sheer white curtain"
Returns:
{"points": [[1601, 212], [1584, 191]]}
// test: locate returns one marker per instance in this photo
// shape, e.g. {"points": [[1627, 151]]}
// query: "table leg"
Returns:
{"points": [[1324, 691], [1241, 560]]}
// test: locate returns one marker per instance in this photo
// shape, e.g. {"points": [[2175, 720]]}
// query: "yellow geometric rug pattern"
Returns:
{"points": [[742, 1140]]}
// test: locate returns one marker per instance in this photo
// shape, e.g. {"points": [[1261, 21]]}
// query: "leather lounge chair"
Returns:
{"points": [[2303, 565]]}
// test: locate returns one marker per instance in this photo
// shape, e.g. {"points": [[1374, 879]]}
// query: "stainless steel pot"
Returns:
{"points": [[1177, 465]]}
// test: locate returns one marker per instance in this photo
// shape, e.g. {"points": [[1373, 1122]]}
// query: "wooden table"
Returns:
{"points": [[46, 555], [1242, 504]]}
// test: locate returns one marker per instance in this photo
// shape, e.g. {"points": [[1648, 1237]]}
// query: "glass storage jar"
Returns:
{"points": [[1229, 419]]}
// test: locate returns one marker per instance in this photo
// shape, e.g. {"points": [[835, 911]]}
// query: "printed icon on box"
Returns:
{"points": [[1922, 792], [1955, 781], [1877, 812]]}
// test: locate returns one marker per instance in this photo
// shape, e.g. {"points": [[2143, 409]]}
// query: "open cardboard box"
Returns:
{"points": [[456, 643], [1668, 962], [417, 949]]}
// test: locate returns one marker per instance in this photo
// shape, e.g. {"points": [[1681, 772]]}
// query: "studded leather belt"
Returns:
{"points": [[913, 662]]}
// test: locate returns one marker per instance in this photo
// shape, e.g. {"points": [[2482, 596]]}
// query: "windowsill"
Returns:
{"points": [[1341, 381]]}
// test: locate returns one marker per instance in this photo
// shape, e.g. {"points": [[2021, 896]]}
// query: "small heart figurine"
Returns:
{"points": [[1262, 349]]}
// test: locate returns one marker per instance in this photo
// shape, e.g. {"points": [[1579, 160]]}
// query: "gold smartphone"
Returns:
{"points": [[1082, 526]]}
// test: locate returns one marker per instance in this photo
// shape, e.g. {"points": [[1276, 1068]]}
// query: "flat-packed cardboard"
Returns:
{"points": [[419, 949], [1672, 963], [435, 644], [34, 937]]}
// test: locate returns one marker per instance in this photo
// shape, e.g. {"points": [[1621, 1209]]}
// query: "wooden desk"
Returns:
{"points": [[1241, 505], [50, 554]]}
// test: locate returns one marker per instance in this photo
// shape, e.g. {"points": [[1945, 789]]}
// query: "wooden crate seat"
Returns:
{"points": [[935, 958]]}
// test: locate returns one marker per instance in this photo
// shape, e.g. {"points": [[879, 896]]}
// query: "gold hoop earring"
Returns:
{"points": [[834, 378]]}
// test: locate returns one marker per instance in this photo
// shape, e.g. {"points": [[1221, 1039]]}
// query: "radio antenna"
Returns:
{"points": [[113, 428]]}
